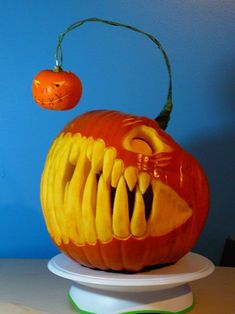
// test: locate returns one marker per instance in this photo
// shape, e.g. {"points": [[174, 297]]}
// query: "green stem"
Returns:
{"points": [[164, 116]]}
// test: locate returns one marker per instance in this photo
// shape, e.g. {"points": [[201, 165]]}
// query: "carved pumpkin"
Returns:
{"points": [[119, 193], [56, 89]]}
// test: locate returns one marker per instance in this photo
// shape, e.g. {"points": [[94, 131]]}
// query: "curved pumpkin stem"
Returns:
{"points": [[164, 116]]}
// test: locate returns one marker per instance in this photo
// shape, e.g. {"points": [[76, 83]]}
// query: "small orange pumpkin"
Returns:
{"points": [[56, 89], [119, 193]]}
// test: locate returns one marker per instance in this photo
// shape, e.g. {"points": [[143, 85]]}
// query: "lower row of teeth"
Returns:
{"points": [[78, 181]]}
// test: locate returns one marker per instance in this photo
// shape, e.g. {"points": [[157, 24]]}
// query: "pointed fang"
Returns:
{"points": [[88, 208], [103, 218], [98, 155], [144, 181], [109, 158], [138, 220], [118, 168], [130, 175], [121, 210]]}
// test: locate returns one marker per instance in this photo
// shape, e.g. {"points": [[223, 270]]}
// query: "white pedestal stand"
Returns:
{"points": [[163, 290]]}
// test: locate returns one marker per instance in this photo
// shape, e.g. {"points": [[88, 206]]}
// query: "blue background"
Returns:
{"points": [[120, 70]]}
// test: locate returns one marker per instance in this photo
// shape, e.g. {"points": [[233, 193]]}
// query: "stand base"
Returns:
{"points": [[88, 300], [164, 290]]}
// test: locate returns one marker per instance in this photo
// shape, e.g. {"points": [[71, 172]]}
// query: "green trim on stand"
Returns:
{"points": [[76, 308], [161, 311], [80, 311]]}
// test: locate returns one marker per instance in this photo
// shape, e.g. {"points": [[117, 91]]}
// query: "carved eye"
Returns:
{"points": [[58, 84], [36, 83], [145, 140], [141, 145]]}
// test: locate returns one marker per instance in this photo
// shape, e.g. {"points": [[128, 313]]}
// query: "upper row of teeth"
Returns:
{"points": [[77, 206], [103, 159]]}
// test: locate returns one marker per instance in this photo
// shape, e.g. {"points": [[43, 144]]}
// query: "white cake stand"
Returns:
{"points": [[163, 290]]}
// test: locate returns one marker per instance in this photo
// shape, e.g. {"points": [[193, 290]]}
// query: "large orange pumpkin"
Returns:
{"points": [[119, 193]]}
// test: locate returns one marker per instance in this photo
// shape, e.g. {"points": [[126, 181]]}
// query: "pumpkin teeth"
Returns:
{"points": [[118, 168], [90, 147], [97, 155], [138, 221], [121, 210], [103, 211], [75, 195], [46, 193], [144, 180], [130, 175], [88, 194], [62, 174], [89, 208], [109, 158], [75, 148]]}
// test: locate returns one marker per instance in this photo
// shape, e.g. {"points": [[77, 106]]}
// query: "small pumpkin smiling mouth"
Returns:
{"points": [[52, 100], [88, 194]]}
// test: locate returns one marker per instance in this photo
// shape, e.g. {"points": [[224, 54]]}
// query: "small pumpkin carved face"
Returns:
{"points": [[56, 90], [118, 193]]}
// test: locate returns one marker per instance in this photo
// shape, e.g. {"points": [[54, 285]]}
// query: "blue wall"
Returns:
{"points": [[119, 70]]}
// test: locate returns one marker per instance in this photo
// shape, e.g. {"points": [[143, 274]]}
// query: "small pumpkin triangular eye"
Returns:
{"points": [[58, 84], [36, 83]]}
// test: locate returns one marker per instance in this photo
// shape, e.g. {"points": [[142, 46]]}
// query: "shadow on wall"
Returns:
{"points": [[24, 235], [216, 154]]}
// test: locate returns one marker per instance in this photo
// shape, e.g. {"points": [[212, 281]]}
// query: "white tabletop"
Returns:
{"points": [[28, 287]]}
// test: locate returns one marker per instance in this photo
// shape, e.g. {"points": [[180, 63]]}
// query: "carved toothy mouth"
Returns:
{"points": [[52, 100], [88, 194]]}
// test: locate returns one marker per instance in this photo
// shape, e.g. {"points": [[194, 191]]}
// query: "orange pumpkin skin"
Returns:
{"points": [[159, 233], [56, 90]]}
